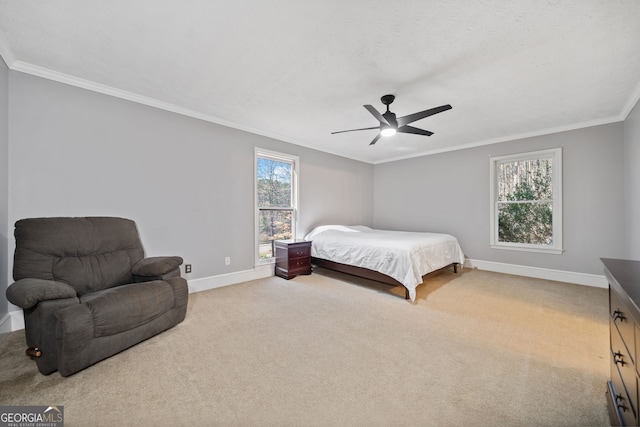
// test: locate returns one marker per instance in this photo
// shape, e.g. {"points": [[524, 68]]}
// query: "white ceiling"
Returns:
{"points": [[297, 70]]}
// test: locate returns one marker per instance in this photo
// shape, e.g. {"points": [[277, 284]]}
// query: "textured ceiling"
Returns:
{"points": [[298, 70]]}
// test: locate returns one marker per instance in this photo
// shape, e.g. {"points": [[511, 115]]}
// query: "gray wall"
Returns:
{"points": [[449, 193], [4, 189], [632, 181], [187, 183]]}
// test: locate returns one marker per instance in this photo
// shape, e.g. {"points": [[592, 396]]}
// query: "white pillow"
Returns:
{"points": [[344, 228]]}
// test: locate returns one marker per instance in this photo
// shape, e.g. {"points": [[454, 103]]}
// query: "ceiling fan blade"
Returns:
{"points": [[416, 131], [376, 114], [422, 114], [375, 139], [353, 130]]}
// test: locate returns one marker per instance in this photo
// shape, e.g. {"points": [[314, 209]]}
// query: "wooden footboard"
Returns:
{"points": [[365, 272]]}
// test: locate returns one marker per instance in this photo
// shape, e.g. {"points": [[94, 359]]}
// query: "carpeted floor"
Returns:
{"points": [[475, 349]]}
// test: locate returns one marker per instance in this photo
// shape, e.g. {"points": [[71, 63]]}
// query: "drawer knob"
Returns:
{"points": [[617, 315], [618, 358], [620, 402]]}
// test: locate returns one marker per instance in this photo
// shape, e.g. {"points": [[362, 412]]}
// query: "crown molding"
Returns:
{"points": [[71, 80], [6, 54], [49, 74], [633, 100], [548, 131]]}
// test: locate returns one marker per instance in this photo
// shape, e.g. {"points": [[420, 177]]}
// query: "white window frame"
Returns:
{"points": [[555, 155], [295, 162]]}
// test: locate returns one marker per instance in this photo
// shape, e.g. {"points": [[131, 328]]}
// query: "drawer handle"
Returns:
{"points": [[618, 358], [620, 402], [617, 315]]}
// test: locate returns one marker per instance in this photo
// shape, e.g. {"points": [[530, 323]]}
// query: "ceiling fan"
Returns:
{"points": [[389, 124]]}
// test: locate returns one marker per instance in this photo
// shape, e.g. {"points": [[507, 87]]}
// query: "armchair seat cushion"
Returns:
{"points": [[125, 307]]}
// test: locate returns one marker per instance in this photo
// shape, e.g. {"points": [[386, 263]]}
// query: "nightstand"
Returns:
{"points": [[293, 257]]}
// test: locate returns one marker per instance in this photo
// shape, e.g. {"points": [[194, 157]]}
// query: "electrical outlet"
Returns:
{"points": [[187, 268], [227, 260]]}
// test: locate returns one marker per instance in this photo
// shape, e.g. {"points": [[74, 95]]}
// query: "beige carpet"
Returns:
{"points": [[475, 349]]}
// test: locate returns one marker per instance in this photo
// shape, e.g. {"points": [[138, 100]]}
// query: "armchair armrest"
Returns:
{"points": [[156, 267], [26, 293]]}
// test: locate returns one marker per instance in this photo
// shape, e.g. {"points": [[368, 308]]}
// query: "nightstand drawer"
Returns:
{"points": [[299, 265], [299, 251]]}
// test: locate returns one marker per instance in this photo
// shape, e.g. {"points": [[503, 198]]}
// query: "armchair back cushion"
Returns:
{"points": [[98, 252]]}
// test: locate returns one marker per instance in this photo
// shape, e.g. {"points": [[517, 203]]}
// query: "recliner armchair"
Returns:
{"points": [[88, 292]]}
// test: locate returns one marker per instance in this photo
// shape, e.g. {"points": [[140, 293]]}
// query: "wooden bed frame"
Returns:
{"points": [[366, 273]]}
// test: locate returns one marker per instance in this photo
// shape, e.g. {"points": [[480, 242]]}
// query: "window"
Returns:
{"points": [[526, 201], [276, 200]]}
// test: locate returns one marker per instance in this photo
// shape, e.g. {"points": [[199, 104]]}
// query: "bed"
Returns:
{"points": [[392, 257]]}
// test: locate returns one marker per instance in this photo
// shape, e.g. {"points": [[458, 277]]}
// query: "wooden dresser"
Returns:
{"points": [[293, 257], [624, 326]]}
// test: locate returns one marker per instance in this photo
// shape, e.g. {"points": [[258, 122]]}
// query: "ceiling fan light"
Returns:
{"points": [[388, 132]]}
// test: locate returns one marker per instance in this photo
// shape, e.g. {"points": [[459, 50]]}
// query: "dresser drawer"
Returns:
{"points": [[620, 399], [625, 371], [638, 352], [623, 322]]}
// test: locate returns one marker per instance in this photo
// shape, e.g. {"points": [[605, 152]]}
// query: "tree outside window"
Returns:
{"points": [[526, 201], [275, 194]]}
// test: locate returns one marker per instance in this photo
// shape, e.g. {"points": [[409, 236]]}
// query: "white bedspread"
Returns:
{"points": [[405, 256]]}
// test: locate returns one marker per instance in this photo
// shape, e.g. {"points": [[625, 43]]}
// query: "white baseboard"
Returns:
{"points": [[595, 280], [212, 282], [5, 324], [12, 321]]}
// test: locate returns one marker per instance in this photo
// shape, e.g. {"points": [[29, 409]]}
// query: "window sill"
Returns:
{"points": [[528, 249]]}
